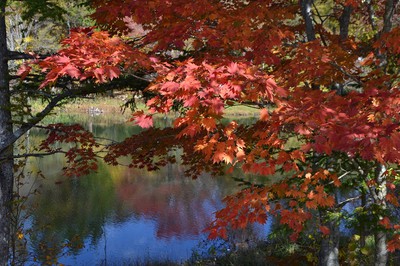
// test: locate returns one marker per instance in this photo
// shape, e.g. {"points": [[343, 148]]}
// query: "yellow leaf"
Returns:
{"points": [[371, 118], [20, 235], [364, 251]]}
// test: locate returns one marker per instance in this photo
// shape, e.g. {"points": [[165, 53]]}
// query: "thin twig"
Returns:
{"points": [[340, 177], [341, 204]]}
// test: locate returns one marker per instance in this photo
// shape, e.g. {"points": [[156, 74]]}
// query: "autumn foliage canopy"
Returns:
{"points": [[328, 100]]}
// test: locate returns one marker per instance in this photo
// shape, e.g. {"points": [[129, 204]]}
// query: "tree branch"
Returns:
{"points": [[371, 15], [68, 94], [340, 177], [14, 55], [354, 78], [322, 23], [37, 155], [341, 204]]}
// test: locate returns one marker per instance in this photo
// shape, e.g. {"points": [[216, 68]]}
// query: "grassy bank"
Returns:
{"points": [[115, 105], [108, 105]]}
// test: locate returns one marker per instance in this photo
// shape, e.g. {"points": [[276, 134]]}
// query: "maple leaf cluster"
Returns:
{"points": [[89, 54], [204, 90]]}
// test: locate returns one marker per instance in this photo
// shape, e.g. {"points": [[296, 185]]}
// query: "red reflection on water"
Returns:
{"points": [[181, 207]]}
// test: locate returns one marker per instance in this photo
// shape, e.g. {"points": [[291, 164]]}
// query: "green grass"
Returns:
{"points": [[242, 110], [106, 104], [114, 105]]}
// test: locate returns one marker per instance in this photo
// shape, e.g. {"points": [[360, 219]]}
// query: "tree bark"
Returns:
{"points": [[329, 250], [6, 165], [344, 22], [305, 6], [390, 7], [381, 253], [363, 229]]}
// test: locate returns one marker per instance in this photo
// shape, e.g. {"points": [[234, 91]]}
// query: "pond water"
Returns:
{"points": [[118, 215]]}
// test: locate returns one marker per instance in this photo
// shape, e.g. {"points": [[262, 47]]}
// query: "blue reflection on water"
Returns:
{"points": [[131, 241], [137, 237], [136, 241]]}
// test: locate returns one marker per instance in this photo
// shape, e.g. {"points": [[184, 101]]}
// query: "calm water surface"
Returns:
{"points": [[118, 214]]}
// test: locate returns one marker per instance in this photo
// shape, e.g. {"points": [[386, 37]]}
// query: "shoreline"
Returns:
{"points": [[117, 106]]}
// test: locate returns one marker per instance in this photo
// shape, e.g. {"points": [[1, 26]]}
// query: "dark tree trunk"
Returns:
{"points": [[329, 250], [6, 165], [390, 7], [307, 16], [344, 22]]}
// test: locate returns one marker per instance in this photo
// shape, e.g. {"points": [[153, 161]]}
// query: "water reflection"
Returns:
{"points": [[118, 214]]}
